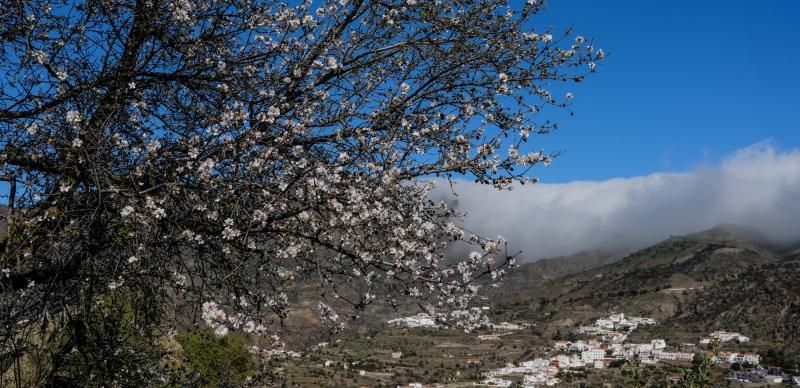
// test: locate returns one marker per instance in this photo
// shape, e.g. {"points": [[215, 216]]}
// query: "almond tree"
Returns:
{"points": [[223, 153]]}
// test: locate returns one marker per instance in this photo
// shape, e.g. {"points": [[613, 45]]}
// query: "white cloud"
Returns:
{"points": [[757, 186]]}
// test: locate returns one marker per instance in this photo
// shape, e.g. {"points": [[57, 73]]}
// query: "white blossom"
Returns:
{"points": [[40, 57], [73, 117], [221, 330], [126, 211], [153, 146], [230, 232], [182, 11]]}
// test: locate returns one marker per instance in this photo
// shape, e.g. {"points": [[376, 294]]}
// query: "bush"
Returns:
{"points": [[103, 346], [217, 361], [616, 364]]}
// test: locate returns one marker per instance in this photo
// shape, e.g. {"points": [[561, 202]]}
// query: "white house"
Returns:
{"points": [[561, 345], [563, 361], [538, 363], [644, 348], [730, 358], [658, 344], [579, 346], [606, 324], [673, 356], [725, 336], [419, 320], [593, 354], [538, 380], [751, 358]]}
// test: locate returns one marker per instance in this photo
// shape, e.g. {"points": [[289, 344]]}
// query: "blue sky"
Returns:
{"points": [[687, 83]]}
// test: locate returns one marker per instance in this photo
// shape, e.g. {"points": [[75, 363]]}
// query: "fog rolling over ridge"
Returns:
{"points": [[757, 187]]}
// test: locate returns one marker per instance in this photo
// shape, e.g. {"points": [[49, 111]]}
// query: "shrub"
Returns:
{"points": [[217, 361]]}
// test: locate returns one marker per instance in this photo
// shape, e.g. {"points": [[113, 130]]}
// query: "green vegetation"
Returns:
{"points": [[699, 376], [782, 359], [99, 343], [217, 361]]}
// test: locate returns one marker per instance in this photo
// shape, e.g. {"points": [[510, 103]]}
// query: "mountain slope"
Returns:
{"points": [[546, 270], [725, 278], [792, 253], [764, 302], [691, 262]]}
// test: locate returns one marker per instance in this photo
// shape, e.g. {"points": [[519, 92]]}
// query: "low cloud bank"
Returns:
{"points": [[757, 187]]}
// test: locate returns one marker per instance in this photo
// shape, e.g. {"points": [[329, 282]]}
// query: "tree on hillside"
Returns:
{"points": [[699, 375], [635, 373], [181, 160]]}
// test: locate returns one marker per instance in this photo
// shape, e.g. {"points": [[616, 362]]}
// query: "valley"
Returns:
{"points": [[687, 288]]}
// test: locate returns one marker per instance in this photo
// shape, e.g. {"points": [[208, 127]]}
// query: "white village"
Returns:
{"points": [[610, 346], [607, 345]]}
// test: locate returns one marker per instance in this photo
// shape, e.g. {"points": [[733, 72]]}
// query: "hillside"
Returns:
{"points": [[723, 278], [546, 270], [764, 301], [793, 253], [657, 274]]}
